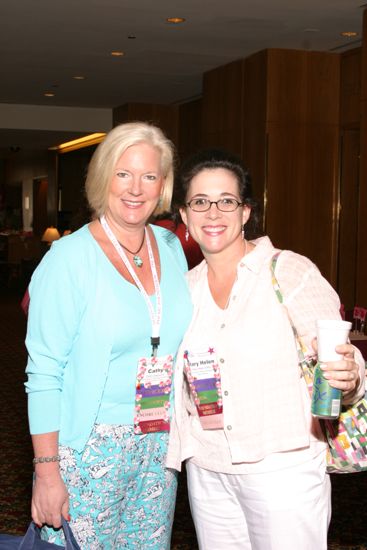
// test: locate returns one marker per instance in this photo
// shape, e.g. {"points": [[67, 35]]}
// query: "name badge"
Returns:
{"points": [[152, 396], [203, 375]]}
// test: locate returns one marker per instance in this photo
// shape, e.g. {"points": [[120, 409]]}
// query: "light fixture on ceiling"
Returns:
{"points": [[85, 141], [79, 77], [131, 37], [117, 53], [348, 34], [175, 20], [49, 94]]}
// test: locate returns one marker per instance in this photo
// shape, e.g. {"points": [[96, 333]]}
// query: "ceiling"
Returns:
{"points": [[45, 43]]}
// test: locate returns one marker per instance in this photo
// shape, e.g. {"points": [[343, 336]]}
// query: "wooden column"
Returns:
{"points": [[190, 140], [350, 110], [222, 107], [361, 292], [291, 144]]}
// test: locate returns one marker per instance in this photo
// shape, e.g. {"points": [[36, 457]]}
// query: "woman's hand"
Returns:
{"points": [[50, 498], [343, 374]]}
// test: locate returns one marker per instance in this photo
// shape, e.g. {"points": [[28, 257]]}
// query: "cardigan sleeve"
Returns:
{"points": [[56, 307]]}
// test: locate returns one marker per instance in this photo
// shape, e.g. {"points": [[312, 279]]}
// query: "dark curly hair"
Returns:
{"points": [[210, 159]]}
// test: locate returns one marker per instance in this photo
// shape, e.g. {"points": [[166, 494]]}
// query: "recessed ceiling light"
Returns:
{"points": [[49, 94], [175, 20], [131, 37], [117, 54], [79, 77], [349, 34]]}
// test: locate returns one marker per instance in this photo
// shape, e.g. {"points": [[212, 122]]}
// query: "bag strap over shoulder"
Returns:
{"points": [[306, 363]]}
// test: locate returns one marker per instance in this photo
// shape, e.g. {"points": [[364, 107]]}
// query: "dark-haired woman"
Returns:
{"points": [[255, 457]]}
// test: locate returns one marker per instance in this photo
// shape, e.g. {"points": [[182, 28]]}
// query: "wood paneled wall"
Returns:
{"points": [[348, 221], [190, 140], [222, 107], [302, 154], [279, 110], [164, 116], [303, 135], [361, 291], [350, 111], [254, 142], [350, 88]]}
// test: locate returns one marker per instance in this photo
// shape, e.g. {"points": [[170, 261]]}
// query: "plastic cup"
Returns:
{"points": [[331, 333]]}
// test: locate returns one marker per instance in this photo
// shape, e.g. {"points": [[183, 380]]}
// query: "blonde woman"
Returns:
{"points": [[102, 336]]}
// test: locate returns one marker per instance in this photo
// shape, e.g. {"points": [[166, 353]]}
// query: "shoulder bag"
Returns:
{"points": [[346, 436], [32, 540]]}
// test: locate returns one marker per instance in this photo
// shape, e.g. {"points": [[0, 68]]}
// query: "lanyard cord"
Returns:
{"points": [[155, 316]]}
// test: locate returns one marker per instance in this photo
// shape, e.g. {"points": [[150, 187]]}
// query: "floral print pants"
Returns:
{"points": [[121, 494]]}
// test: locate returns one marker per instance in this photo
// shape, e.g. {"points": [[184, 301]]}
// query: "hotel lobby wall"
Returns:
{"points": [[301, 128], [361, 292], [181, 123], [350, 113], [280, 112], [165, 116]]}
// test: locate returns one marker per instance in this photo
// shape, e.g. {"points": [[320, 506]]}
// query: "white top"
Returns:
{"points": [[266, 406]]}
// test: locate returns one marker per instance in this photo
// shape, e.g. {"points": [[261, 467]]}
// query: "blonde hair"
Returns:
{"points": [[108, 152]]}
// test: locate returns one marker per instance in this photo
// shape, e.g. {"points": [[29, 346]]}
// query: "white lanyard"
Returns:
{"points": [[155, 316]]}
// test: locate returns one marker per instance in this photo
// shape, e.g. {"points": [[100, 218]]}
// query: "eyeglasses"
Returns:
{"points": [[224, 205]]}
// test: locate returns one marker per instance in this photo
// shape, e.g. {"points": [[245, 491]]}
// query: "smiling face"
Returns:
{"points": [[136, 186], [213, 230]]}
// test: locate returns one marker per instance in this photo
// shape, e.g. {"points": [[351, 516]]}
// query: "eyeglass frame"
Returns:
{"points": [[216, 204]]}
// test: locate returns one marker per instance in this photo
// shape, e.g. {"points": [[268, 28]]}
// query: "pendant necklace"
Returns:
{"points": [[155, 313], [136, 258]]}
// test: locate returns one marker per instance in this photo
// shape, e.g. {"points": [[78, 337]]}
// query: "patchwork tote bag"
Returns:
{"points": [[347, 435]]}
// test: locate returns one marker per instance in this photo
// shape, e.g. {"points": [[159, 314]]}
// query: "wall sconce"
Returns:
{"points": [[51, 234], [86, 141], [26, 202]]}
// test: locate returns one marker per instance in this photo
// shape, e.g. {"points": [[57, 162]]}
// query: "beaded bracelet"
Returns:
{"points": [[41, 459]]}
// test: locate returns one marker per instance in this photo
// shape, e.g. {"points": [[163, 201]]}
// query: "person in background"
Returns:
{"points": [[108, 308], [255, 457], [190, 247]]}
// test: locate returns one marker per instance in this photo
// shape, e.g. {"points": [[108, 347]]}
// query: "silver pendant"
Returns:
{"points": [[137, 261]]}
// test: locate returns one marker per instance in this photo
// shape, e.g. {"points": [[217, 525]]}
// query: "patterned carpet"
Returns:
{"points": [[348, 530]]}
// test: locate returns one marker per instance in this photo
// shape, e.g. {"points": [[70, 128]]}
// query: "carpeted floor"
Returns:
{"points": [[348, 529]]}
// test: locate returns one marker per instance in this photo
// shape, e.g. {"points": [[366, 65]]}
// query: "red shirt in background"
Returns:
{"points": [[191, 249]]}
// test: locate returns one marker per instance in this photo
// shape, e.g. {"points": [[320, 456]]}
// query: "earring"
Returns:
{"points": [[243, 232], [187, 234]]}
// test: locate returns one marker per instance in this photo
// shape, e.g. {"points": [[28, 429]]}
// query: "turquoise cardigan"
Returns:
{"points": [[69, 337]]}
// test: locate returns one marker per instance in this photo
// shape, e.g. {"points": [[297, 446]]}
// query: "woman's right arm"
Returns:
{"points": [[50, 497], [56, 303]]}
